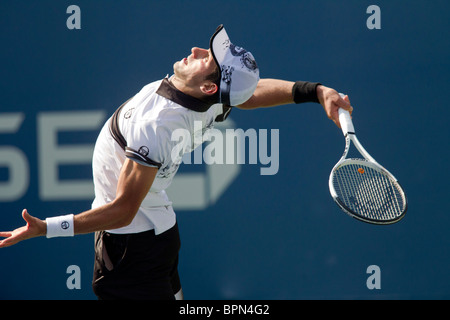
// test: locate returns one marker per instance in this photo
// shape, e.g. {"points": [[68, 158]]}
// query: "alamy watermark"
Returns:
{"points": [[74, 20], [74, 280], [374, 20], [374, 280], [228, 147]]}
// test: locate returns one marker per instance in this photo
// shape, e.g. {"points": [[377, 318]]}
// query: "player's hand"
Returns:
{"points": [[331, 102], [34, 227]]}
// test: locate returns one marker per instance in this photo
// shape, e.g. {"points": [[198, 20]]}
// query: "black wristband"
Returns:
{"points": [[304, 91]]}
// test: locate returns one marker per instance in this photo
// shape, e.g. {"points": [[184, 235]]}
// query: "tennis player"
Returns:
{"points": [[136, 233]]}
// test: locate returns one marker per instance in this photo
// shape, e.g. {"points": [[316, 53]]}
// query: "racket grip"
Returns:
{"points": [[345, 120]]}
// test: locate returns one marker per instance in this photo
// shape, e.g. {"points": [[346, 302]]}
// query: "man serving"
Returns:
{"points": [[136, 233]]}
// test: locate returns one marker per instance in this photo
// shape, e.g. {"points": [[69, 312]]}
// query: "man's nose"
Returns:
{"points": [[198, 52]]}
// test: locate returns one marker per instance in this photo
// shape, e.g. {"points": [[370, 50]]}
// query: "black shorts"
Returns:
{"points": [[137, 266]]}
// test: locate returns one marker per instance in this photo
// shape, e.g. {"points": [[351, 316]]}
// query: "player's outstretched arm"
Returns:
{"points": [[134, 183], [275, 92]]}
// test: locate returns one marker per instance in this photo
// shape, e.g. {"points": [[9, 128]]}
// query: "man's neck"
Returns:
{"points": [[168, 90], [181, 85]]}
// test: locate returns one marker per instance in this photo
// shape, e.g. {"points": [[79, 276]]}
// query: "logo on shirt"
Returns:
{"points": [[143, 151], [128, 114]]}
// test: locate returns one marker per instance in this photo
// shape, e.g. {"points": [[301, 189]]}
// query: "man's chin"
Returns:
{"points": [[176, 67]]}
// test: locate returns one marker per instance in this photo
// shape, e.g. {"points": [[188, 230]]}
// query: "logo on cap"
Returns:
{"points": [[227, 71], [247, 58]]}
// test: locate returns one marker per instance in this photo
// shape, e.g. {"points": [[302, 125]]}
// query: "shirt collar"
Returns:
{"points": [[169, 91]]}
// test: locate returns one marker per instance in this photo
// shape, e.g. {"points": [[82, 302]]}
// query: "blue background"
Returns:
{"points": [[267, 237]]}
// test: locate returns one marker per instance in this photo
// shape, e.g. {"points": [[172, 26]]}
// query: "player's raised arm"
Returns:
{"points": [[275, 92], [270, 93]]}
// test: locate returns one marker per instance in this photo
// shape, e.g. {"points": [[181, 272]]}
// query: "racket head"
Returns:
{"points": [[367, 192]]}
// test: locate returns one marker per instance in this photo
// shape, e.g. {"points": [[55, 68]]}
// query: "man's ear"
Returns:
{"points": [[209, 88]]}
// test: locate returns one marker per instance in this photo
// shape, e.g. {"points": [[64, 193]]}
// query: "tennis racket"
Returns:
{"points": [[363, 188]]}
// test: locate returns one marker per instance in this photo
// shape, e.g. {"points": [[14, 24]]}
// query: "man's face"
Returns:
{"points": [[193, 69]]}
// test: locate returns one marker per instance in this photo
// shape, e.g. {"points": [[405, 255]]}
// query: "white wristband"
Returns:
{"points": [[61, 226]]}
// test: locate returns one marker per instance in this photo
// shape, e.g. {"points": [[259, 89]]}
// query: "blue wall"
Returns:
{"points": [[264, 237]]}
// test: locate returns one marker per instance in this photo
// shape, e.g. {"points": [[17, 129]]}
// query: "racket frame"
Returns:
{"points": [[350, 136]]}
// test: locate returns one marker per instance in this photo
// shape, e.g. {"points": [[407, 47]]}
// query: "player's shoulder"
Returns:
{"points": [[151, 87]]}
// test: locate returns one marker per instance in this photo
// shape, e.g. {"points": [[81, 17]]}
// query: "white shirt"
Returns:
{"points": [[147, 122]]}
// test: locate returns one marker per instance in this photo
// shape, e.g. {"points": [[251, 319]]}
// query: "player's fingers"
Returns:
{"points": [[334, 116], [26, 216], [5, 234], [344, 103], [7, 242]]}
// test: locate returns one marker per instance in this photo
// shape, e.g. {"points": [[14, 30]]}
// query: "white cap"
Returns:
{"points": [[239, 71]]}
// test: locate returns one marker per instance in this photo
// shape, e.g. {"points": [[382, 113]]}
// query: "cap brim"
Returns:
{"points": [[219, 45], [239, 72]]}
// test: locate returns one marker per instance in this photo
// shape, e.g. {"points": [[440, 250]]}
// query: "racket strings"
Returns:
{"points": [[367, 192]]}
